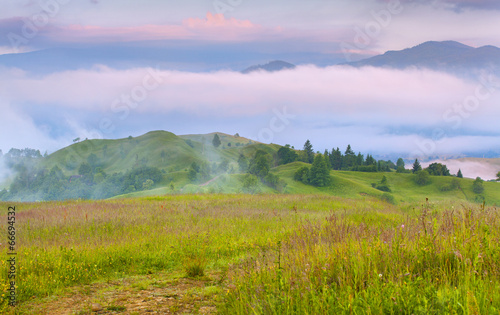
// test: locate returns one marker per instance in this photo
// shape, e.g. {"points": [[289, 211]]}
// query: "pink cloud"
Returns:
{"points": [[217, 20], [213, 27]]}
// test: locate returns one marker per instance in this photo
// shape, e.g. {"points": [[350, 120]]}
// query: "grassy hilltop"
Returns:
{"points": [[169, 159]]}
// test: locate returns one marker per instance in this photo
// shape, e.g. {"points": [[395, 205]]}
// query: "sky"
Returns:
{"points": [[415, 113]]}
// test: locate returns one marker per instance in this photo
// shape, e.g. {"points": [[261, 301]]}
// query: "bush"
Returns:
{"points": [[383, 188], [422, 178], [479, 199], [477, 186], [250, 183], [302, 175], [274, 181], [455, 184], [387, 197]]}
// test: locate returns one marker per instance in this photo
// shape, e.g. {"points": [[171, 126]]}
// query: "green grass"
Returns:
{"points": [[444, 262], [283, 254], [62, 244]]}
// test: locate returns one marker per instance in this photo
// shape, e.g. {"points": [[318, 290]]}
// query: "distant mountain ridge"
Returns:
{"points": [[449, 56], [276, 65]]}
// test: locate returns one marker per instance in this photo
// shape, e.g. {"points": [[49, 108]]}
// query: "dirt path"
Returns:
{"points": [[151, 294], [210, 181]]}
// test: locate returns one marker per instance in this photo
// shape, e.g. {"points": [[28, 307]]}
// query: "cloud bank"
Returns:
{"points": [[418, 112]]}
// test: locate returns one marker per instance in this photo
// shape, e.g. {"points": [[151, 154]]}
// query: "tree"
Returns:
{"points": [[370, 160], [302, 175], [336, 159], [360, 159], [308, 149], [459, 174], [260, 164], [477, 186], [349, 157], [498, 176], [147, 185], [422, 177], [76, 140], [400, 163], [85, 170], [192, 174], [286, 155], [243, 163], [416, 166], [250, 183], [326, 157], [216, 141], [438, 169], [319, 174], [384, 186]]}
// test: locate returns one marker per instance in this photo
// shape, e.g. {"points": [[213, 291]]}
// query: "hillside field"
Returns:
{"points": [[347, 184], [256, 254]]}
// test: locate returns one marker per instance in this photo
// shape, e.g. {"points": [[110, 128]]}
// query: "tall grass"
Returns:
{"points": [[285, 253], [434, 262], [64, 244]]}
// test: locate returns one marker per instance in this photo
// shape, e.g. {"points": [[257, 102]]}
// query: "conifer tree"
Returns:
{"points": [[416, 166], [216, 141], [308, 149]]}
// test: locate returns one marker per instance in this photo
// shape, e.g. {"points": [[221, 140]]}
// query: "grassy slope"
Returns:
{"points": [[346, 184], [124, 154]]}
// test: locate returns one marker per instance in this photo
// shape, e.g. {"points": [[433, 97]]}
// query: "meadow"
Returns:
{"points": [[258, 254]]}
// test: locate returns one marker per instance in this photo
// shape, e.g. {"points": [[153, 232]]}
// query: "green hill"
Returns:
{"points": [[121, 168]]}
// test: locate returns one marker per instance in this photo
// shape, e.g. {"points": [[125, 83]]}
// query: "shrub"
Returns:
{"points": [[250, 183], [422, 178], [477, 186], [479, 199], [383, 188], [387, 197], [302, 175]]}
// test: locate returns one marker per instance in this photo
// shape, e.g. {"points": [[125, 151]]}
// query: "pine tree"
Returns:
{"points": [[349, 157], [308, 149], [336, 159], [216, 141], [370, 160], [360, 159], [416, 166], [319, 173], [326, 157]]}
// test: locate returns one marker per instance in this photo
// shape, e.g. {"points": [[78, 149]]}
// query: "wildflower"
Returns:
{"points": [[380, 275]]}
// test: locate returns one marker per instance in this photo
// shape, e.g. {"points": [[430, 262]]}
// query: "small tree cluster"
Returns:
{"points": [[318, 175]]}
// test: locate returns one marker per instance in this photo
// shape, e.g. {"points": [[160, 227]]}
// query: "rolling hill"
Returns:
{"points": [[123, 163]]}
